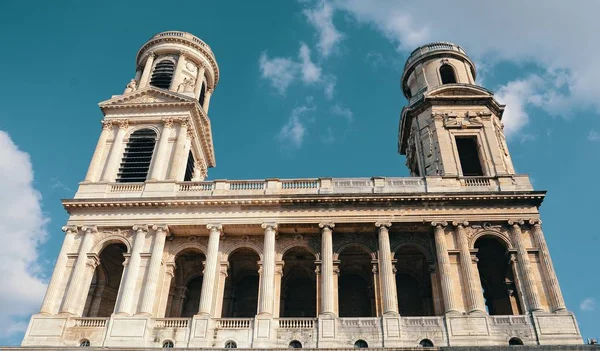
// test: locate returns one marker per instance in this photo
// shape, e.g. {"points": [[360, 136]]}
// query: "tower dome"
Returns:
{"points": [[435, 64]]}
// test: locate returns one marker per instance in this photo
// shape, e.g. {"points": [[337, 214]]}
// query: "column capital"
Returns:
{"points": [[442, 224], [123, 123], [459, 224], [151, 54], [328, 225], [184, 121], [535, 222], [140, 228], [215, 227], [70, 229], [161, 228], [383, 224], [269, 226], [516, 222], [92, 260], [107, 124], [90, 229], [182, 53], [168, 122]]}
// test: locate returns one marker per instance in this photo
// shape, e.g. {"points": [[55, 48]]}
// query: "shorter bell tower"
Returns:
{"points": [[451, 126], [158, 129]]}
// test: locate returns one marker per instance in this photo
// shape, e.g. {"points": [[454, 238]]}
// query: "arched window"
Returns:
{"points": [[189, 167], [295, 344], [137, 156], [186, 284], [426, 343], [355, 285], [163, 74], [102, 294], [230, 345], [299, 284], [361, 344], [515, 342], [168, 344], [240, 298], [447, 74], [84, 343], [202, 95], [413, 283]]}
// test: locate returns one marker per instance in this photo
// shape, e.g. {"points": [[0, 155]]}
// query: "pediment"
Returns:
{"points": [[458, 90], [147, 96]]}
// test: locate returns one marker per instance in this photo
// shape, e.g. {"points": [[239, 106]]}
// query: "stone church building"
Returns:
{"points": [[155, 256]]}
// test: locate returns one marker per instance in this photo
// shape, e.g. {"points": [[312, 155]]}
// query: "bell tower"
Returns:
{"points": [[158, 129], [451, 126]]}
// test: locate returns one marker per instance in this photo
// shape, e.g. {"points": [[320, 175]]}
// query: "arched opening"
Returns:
{"points": [[299, 284], [447, 73], [355, 284], [497, 279], [202, 96], [230, 345], [184, 296], [240, 298], [103, 291], [137, 156], [163, 74], [413, 283], [295, 344], [84, 343], [426, 343], [515, 342], [168, 344], [361, 344]]}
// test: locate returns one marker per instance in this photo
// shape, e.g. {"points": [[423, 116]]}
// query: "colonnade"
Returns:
{"points": [[213, 272]]}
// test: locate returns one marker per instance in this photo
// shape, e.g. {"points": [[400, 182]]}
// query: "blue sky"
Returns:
{"points": [[308, 89]]}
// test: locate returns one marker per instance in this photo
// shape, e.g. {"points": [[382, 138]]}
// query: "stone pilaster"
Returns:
{"points": [[115, 155], [147, 70], [210, 269], [471, 280], [327, 289], [149, 290], [267, 281], [557, 302], [444, 267], [524, 266], [126, 295], [74, 290], [49, 305], [207, 96], [386, 271], [179, 156], [163, 307], [158, 166], [199, 81], [178, 69], [92, 174]]}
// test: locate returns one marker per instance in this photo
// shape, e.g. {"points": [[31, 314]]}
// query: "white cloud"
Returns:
{"points": [[588, 304], [22, 230], [343, 112], [593, 136], [515, 95], [292, 133], [281, 72], [555, 37], [321, 17], [329, 82]]}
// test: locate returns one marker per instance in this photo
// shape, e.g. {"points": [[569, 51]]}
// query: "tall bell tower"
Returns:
{"points": [[158, 129], [451, 126]]}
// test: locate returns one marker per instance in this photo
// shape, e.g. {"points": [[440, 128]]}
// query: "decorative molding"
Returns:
{"points": [[107, 124]]}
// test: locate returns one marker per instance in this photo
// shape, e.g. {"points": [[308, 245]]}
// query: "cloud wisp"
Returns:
{"points": [[588, 304], [292, 133], [321, 17], [281, 72]]}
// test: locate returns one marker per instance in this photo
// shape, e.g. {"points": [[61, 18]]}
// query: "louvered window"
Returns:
{"points": [[189, 168], [163, 74], [202, 95], [137, 156]]}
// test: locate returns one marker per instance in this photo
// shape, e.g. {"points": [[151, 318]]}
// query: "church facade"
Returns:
{"points": [[156, 256]]}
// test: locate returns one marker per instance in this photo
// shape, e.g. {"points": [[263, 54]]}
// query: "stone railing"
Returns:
{"points": [[234, 323], [91, 322], [509, 320], [360, 322], [297, 323], [186, 35], [172, 322], [437, 46], [311, 186], [422, 321]]}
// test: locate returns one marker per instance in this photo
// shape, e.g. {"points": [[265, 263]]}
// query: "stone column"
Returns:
{"points": [[125, 300], [557, 303], [178, 69], [158, 167], [207, 96], [199, 80], [179, 154], [115, 155], [49, 306], [210, 269], [525, 266], [267, 281], [471, 281], [149, 289], [73, 291], [277, 300], [386, 271], [327, 290], [92, 174], [147, 70], [445, 269]]}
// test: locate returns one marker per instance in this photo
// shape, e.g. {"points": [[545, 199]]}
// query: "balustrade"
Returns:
{"points": [[172, 322], [422, 321], [234, 323], [91, 322], [360, 322], [297, 323], [196, 186], [246, 185], [126, 188]]}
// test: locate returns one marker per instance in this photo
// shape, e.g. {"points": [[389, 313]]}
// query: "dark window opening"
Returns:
{"points": [[426, 343], [295, 344], [407, 92], [202, 95], [361, 344], [137, 157], [230, 345], [468, 154], [447, 74], [515, 341], [168, 345], [163, 74], [189, 168], [84, 343]]}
